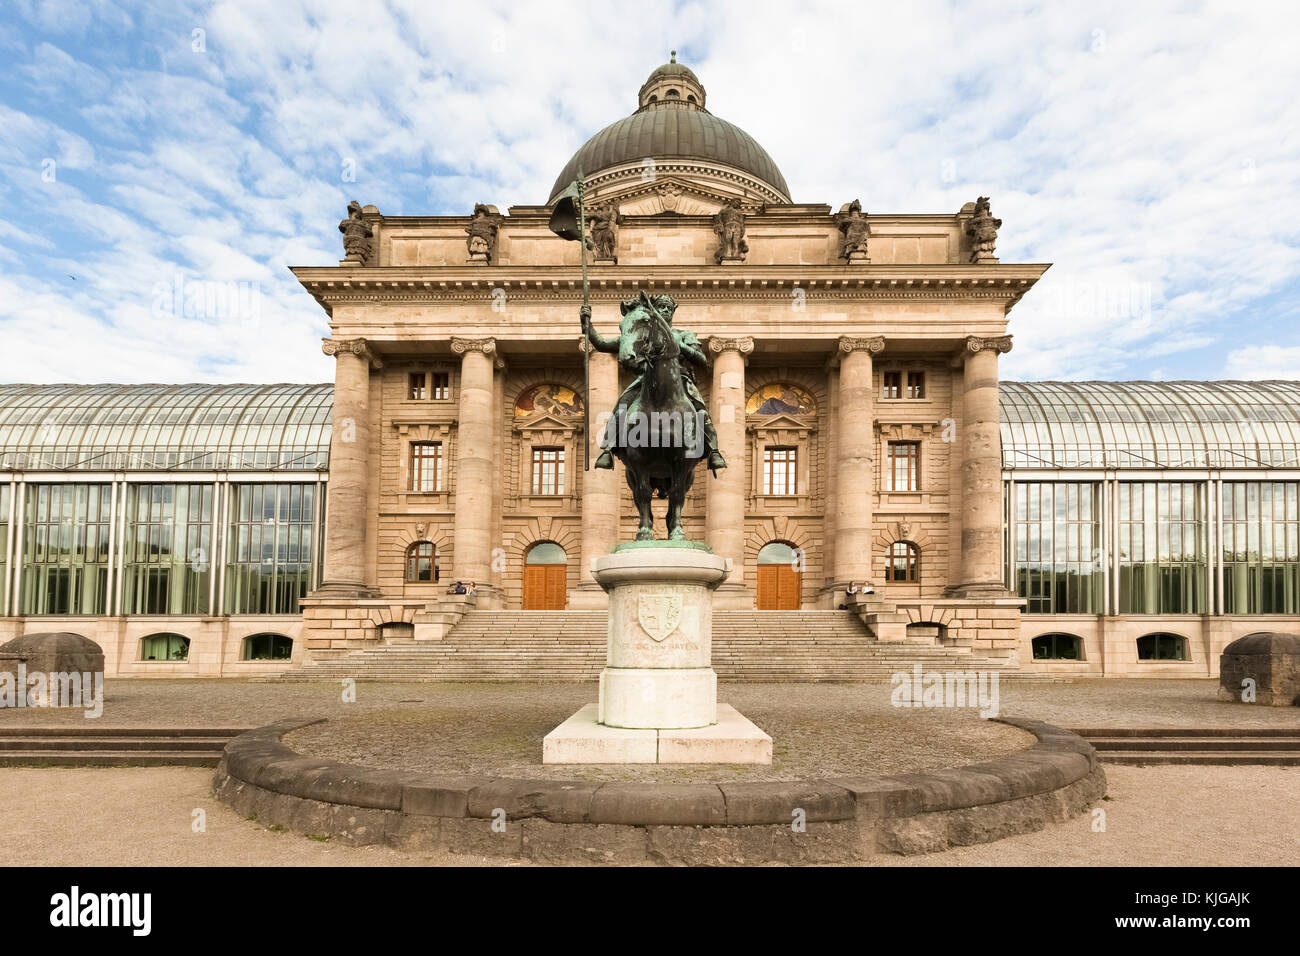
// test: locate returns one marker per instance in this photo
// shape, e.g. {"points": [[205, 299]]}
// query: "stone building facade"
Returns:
{"points": [[854, 387]]}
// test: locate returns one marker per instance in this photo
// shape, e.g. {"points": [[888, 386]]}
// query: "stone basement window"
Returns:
{"points": [[1162, 647]]}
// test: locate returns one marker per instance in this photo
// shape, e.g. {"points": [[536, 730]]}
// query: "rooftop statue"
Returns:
{"points": [[729, 226], [604, 231], [660, 427], [982, 229], [357, 236]]}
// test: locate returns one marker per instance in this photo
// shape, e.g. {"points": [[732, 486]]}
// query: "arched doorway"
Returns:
{"points": [[780, 585], [545, 585]]}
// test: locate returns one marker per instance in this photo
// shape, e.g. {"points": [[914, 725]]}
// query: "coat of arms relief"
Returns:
{"points": [[659, 614]]}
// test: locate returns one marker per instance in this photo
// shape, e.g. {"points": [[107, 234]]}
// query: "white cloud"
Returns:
{"points": [[1150, 154], [1261, 362]]}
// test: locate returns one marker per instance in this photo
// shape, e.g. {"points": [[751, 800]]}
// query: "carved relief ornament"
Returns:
{"points": [[873, 344], [998, 343], [358, 347]]}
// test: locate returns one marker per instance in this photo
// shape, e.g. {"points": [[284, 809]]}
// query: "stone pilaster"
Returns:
{"points": [[600, 504], [854, 461], [981, 472], [725, 503], [348, 495], [475, 479]]}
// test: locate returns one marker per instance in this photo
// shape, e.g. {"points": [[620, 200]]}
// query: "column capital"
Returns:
{"points": [[358, 347], [744, 344], [462, 345], [872, 344], [998, 343]]}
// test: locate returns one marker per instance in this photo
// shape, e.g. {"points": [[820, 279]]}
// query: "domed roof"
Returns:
{"points": [[672, 123]]}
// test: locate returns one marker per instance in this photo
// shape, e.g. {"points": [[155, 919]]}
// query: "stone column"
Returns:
{"points": [[725, 502], [854, 461], [349, 486], [600, 505], [981, 472], [472, 530], [830, 431]]}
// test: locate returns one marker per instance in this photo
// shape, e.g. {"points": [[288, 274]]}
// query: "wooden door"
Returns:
{"points": [[780, 588], [545, 587]]}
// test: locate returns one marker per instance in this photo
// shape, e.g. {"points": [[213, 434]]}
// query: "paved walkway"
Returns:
{"points": [[1115, 702], [1174, 816]]}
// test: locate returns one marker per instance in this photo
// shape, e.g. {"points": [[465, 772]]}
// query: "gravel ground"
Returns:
{"points": [[1157, 816], [238, 703], [817, 731]]}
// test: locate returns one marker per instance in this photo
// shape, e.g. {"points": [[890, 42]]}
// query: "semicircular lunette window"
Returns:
{"points": [[268, 647], [1057, 647], [548, 399], [780, 398], [165, 647]]}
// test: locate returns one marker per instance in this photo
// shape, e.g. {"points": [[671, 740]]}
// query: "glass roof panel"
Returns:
{"points": [[1143, 424], [165, 427]]}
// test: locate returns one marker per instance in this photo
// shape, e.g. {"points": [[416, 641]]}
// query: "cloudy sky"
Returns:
{"points": [[1150, 151]]}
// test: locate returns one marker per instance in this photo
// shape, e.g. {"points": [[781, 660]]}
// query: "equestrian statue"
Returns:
{"points": [[660, 427]]}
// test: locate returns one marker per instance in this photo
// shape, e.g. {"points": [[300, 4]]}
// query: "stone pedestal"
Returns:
{"points": [[658, 692]]}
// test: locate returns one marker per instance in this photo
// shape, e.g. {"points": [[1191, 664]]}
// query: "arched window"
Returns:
{"points": [[672, 94], [167, 646], [690, 97], [1057, 647], [421, 563], [548, 552], [1162, 647], [268, 647], [903, 562]]}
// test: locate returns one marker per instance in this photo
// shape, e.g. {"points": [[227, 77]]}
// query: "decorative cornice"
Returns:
{"points": [[875, 343], [999, 343], [744, 344], [460, 346], [358, 347]]}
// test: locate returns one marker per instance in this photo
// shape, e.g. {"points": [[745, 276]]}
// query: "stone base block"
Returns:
{"points": [[733, 739], [581, 739], [658, 697]]}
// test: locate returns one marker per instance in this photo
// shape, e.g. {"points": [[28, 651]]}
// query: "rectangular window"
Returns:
{"points": [[1057, 547], [65, 549], [426, 466], [780, 469], [441, 386], [904, 466], [1162, 550], [1261, 547], [548, 471], [892, 386], [415, 388], [269, 555], [916, 385], [167, 552]]}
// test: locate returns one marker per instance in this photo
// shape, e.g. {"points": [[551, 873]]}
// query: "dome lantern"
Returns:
{"points": [[671, 85]]}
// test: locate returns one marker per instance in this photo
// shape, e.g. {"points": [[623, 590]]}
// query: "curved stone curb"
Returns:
{"points": [[845, 819]]}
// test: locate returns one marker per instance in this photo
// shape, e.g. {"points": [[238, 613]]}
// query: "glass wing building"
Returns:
{"points": [[1156, 514], [178, 525]]}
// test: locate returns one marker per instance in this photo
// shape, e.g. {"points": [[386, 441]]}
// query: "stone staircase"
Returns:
{"points": [[114, 746], [752, 646], [1229, 746]]}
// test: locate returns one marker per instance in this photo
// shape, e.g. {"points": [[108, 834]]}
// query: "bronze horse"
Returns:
{"points": [[656, 429]]}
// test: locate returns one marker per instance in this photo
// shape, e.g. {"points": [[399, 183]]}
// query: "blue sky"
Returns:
{"points": [[1150, 151]]}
